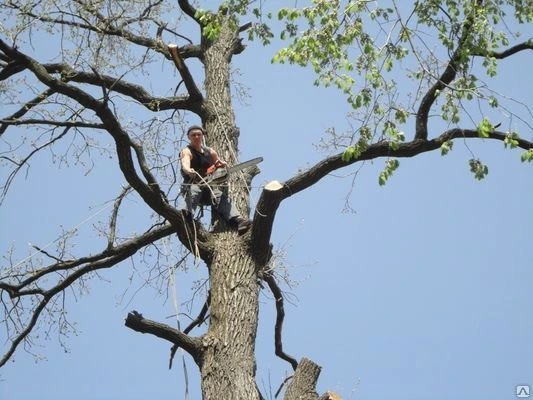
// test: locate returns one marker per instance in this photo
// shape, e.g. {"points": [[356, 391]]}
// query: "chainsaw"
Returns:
{"points": [[219, 175]]}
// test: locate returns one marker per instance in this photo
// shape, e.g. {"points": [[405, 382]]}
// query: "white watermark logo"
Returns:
{"points": [[522, 391]]}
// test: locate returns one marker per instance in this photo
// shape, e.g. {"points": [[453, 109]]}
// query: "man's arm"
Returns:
{"points": [[185, 160], [216, 161]]}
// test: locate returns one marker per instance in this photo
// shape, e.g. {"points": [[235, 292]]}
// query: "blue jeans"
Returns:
{"points": [[196, 195]]}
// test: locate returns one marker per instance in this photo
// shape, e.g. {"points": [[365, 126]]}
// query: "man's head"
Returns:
{"points": [[195, 134]]}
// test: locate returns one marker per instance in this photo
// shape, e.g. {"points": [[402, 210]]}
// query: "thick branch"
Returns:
{"points": [[193, 90], [191, 345], [448, 76], [280, 315], [199, 320], [132, 90], [188, 9], [527, 45], [382, 149], [274, 193], [67, 124], [245, 27], [104, 259], [265, 212]]}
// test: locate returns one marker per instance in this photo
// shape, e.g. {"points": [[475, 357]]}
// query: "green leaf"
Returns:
{"points": [[479, 169], [446, 147], [485, 128], [388, 64], [348, 154], [390, 166], [527, 156], [511, 140]]}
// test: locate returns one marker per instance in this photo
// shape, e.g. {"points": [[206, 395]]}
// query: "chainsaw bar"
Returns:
{"points": [[243, 165], [221, 174]]}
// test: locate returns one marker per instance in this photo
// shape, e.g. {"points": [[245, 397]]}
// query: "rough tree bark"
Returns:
{"points": [[228, 361]]}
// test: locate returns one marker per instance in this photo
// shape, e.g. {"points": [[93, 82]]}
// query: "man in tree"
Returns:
{"points": [[195, 160]]}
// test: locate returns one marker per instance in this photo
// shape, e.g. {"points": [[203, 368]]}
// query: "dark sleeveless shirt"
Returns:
{"points": [[200, 161]]}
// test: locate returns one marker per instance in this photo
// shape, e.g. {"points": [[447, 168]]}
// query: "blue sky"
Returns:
{"points": [[423, 292]]}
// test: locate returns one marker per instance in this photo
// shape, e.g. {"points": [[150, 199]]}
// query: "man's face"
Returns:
{"points": [[195, 136]]}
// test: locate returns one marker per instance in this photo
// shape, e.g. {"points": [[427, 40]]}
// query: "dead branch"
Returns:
{"points": [[199, 320], [191, 345], [191, 86], [280, 315], [46, 253], [114, 215]]}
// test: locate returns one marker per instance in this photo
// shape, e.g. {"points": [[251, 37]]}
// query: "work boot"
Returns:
{"points": [[242, 224]]}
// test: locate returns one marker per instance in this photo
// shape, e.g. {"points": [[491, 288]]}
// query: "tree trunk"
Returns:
{"points": [[228, 363]]}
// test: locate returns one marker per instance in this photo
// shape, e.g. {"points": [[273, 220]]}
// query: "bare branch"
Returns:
{"points": [[191, 345], [107, 28], [280, 315], [265, 212], [67, 124], [193, 90], [114, 215], [46, 253], [24, 333], [27, 107], [122, 251], [106, 259], [134, 91], [25, 160]]}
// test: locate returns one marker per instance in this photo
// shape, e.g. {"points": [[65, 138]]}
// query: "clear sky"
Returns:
{"points": [[424, 291]]}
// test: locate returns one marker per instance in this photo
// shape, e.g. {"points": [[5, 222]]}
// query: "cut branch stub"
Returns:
{"points": [[303, 384], [265, 213]]}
